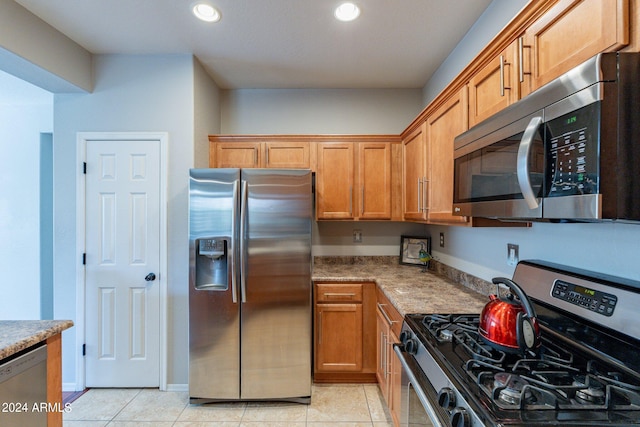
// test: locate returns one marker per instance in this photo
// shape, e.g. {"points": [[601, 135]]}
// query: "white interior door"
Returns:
{"points": [[122, 298]]}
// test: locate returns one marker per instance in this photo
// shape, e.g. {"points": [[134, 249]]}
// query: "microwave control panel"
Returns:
{"points": [[573, 153], [591, 299]]}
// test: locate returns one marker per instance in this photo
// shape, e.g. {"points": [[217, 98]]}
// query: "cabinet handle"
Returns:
{"points": [[425, 194], [521, 47], [266, 154], [502, 75], [385, 315], [383, 352], [388, 362], [339, 294], [351, 201], [502, 84], [419, 204]]}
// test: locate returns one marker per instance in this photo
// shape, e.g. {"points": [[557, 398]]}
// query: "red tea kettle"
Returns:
{"points": [[508, 324]]}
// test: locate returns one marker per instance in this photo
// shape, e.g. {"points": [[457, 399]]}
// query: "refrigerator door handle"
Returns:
{"points": [[232, 250], [243, 218]]}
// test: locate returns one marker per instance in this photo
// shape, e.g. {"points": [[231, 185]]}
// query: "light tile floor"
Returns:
{"points": [[332, 405]]}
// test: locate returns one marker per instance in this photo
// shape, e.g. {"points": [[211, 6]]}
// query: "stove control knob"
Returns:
{"points": [[447, 398], [411, 346], [404, 336], [460, 418]]}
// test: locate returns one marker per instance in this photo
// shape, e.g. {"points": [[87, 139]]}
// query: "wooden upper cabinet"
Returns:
{"points": [[287, 155], [248, 151], [335, 181], [571, 32], [495, 86], [428, 163], [414, 171], [354, 180], [374, 180], [447, 122], [235, 155]]}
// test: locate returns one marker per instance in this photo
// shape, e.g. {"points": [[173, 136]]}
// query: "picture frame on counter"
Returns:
{"points": [[410, 247]]}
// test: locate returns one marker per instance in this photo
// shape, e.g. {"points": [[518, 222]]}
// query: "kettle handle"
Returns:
{"points": [[528, 308]]}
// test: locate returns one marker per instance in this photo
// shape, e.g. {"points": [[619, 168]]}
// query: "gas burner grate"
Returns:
{"points": [[443, 326], [478, 349]]}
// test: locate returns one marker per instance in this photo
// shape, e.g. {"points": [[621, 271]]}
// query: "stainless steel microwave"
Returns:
{"points": [[568, 151]]}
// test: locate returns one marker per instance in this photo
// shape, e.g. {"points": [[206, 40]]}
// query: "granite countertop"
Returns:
{"points": [[407, 287], [16, 335]]}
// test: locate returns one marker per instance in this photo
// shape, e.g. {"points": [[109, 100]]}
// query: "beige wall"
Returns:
{"points": [[55, 63]]}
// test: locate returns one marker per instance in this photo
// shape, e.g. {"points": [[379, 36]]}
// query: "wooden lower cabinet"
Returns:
{"points": [[344, 332], [54, 379], [355, 327], [389, 369]]}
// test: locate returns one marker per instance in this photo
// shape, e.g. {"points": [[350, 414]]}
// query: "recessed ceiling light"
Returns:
{"points": [[206, 12], [347, 12]]}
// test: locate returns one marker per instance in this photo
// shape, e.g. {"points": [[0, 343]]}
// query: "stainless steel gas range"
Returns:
{"points": [[585, 372]]}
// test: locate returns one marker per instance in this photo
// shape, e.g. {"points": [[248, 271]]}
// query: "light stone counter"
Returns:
{"points": [[407, 287], [17, 335]]}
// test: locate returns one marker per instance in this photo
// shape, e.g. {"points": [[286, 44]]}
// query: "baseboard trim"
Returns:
{"points": [[177, 387]]}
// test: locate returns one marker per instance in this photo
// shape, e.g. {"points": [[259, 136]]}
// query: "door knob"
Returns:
{"points": [[150, 277]]}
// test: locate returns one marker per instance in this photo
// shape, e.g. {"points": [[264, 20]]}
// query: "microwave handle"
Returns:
{"points": [[524, 151]]}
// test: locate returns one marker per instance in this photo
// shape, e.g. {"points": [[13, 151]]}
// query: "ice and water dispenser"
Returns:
{"points": [[212, 263]]}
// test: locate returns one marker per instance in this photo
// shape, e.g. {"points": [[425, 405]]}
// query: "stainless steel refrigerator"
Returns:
{"points": [[250, 313]]}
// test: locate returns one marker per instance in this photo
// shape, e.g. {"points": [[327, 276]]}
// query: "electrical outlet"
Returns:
{"points": [[512, 254], [357, 236], [442, 240]]}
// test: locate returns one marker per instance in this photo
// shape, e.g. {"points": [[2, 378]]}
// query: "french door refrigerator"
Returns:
{"points": [[250, 313]]}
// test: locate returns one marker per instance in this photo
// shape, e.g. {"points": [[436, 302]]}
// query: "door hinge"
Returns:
{"points": [[84, 168], [84, 349], [84, 258]]}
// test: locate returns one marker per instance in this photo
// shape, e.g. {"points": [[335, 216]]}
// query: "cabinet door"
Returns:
{"points": [[572, 32], [443, 126], [285, 155], [338, 337], [335, 181], [374, 180], [414, 174], [494, 87], [237, 155], [395, 380]]}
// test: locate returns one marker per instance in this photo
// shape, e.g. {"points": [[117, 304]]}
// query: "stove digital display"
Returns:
{"points": [[590, 299], [585, 291]]}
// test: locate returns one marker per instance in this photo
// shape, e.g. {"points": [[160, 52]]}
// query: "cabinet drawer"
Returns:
{"points": [[351, 292]]}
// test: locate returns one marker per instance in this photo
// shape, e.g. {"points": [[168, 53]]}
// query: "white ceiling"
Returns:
{"points": [[277, 43]]}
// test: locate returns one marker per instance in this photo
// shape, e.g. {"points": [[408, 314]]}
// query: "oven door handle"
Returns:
{"points": [[524, 151], [424, 400]]}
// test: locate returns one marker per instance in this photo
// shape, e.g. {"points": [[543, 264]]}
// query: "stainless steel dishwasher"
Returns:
{"points": [[23, 389]]}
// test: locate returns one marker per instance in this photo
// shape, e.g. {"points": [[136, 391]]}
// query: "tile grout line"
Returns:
{"points": [[122, 409]]}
